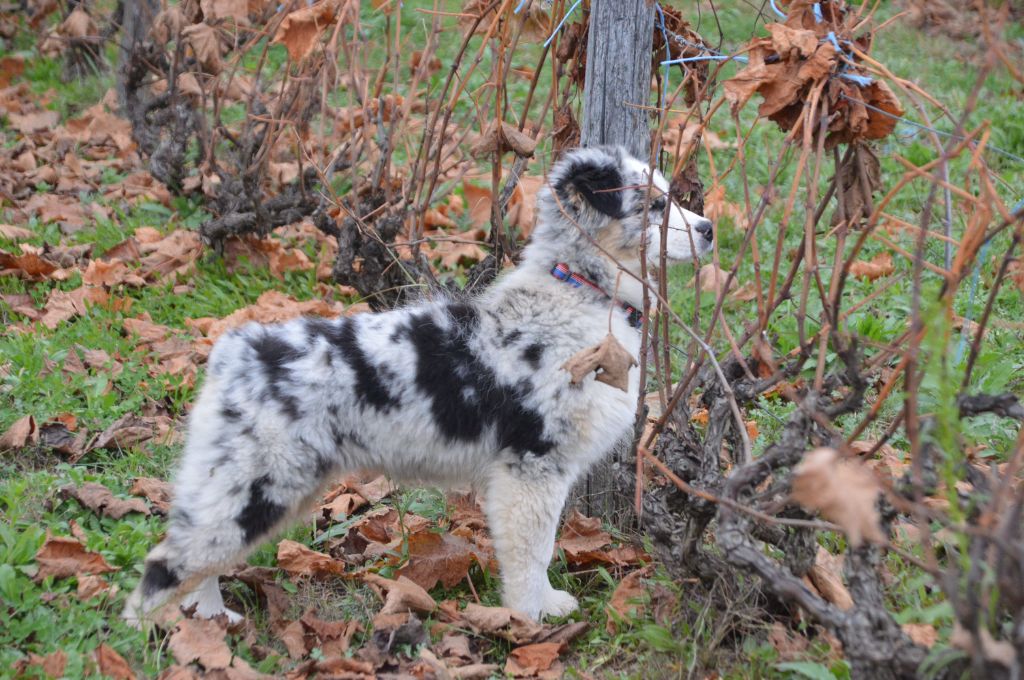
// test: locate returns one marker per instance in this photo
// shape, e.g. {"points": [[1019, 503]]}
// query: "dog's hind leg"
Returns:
{"points": [[523, 505], [219, 515]]}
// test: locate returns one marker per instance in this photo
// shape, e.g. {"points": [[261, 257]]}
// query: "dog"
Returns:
{"points": [[449, 391]]}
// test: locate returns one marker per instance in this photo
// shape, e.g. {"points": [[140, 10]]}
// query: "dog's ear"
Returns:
{"points": [[593, 176]]}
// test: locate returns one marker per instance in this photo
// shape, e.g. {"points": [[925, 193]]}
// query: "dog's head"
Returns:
{"points": [[607, 197]]}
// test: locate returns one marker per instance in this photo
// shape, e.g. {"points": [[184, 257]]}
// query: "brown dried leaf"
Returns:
{"points": [[299, 31], [126, 432], [923, 634], [500, 621], [403, 595], [63, 556], [437, 557], [538, 660], [111, 664], [36, 121], [52, 665], [880, 265], [503, 137], [27, 265], [61, 306], [827, 576], [628, 599], [13, 233], [200, 640], [23, 432], [204, 40], [90, 585], [786, 39], [157, 491], [609, 358], [299, 560], [581, 535], [100, 500], [843, 491]]}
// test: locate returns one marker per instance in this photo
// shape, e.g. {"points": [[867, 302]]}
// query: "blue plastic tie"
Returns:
{"points": [[816, 8], [863, 81], [562, 22], [835, 43], [777, 10], [708, 57], [519, 7]]}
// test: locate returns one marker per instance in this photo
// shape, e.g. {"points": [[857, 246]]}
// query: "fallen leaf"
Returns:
{"points": [[100, 500], [61, 306], [843, 491], [308, 632], [402, 595], [923, 634], [437, 557], [506, 623], [90, 585], [627, 600], [111, 664], [13, 233], [535, 661], [299, 560], [827, 576], [200, 640], [52, 665], [878, 266], [157, 491], [581, 535], [36, 121], [609, 358], [23, 432], [63, 556], [126, 432]]}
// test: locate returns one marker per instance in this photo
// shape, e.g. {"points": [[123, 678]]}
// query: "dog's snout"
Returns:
{"points": [[705, 229]]}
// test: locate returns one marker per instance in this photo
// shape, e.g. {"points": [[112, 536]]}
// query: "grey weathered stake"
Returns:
{"points": [[618, 80], [618, 86]]}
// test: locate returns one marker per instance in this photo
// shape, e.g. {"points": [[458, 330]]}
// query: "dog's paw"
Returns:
{"points": [[557, 603]]}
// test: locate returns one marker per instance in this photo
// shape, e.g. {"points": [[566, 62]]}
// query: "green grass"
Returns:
{"points": [[694, 638]]}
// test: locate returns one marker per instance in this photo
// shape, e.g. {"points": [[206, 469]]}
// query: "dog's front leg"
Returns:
{"points": [[523, 504]]}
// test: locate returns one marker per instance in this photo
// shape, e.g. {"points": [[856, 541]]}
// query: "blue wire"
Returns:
{"points": [[668, 53], [776, 8], [562, 22], [522, 3], [863, 81], [816, 8], [969, 315], [709, 57]]}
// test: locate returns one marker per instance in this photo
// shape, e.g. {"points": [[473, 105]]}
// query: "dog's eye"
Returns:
{"points": [[659, 204]]}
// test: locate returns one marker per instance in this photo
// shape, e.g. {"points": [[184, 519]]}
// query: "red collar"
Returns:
{"points": [[562, 272]]}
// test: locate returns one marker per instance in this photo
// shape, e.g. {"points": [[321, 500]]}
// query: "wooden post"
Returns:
{"points": [[618, 79], [618, 86]]}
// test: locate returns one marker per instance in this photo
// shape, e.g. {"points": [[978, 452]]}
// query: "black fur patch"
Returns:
{"points": [[511, 337], [446, 367], [599, 184], [158, 577], [532, 355], [274, 354], [260, 514], [230, 413], [369, 385]]}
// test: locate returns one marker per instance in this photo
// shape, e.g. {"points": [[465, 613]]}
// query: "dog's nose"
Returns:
{"points": [[705, 229]]}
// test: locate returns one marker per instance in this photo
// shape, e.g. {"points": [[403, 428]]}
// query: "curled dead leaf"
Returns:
{"points": [[403, 595], [843, 491], [875, 268], [100, 500], [609, 358], [504, 137], [299, 560], [300, 30]]}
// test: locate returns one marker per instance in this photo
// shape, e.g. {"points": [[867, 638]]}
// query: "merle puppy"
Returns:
{"points": [[448, 391]]}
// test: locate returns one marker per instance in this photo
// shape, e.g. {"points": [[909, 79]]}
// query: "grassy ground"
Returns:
{"points": [[688, 640]]}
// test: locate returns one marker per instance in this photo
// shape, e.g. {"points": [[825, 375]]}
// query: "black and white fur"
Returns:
{"points": [[448, 391]]}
